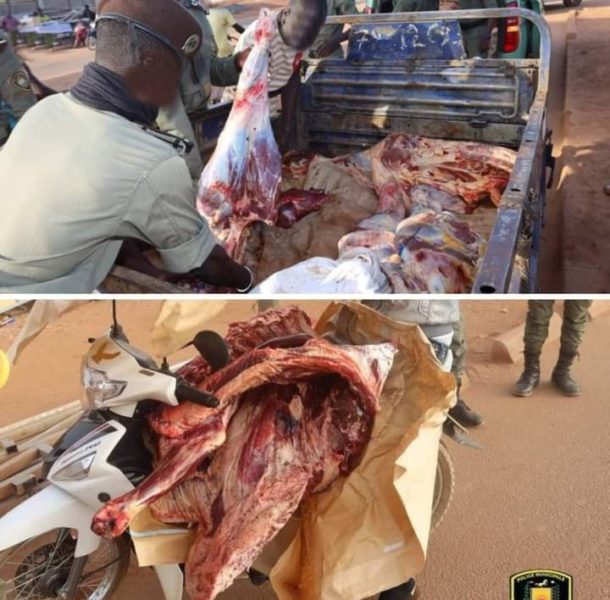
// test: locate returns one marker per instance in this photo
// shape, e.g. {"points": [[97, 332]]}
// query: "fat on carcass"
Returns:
{"points": [[293, 416], [468, 171], [240, 183], [438, 252]]}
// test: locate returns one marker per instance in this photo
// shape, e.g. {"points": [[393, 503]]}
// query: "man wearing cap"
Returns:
{"points": [[203, 70], [16, 94], [85, 171]]}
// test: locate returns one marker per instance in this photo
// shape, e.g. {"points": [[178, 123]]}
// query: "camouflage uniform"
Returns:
{"points": [[415, 5], [458, 349], [16, 94], [335, 8], [575, 316], [473, 31]]}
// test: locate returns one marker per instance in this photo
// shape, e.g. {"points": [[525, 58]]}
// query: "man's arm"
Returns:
{"points": [[290, 98], [162, 213]]}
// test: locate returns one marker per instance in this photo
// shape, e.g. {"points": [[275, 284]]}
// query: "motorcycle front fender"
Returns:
{"points": [[49, 509]]}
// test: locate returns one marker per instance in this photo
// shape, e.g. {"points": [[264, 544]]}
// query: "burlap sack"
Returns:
{"points": [[316, 234]]}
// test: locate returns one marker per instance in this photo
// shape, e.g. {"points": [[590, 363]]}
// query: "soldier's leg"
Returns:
{"points": [[461, 412], [174, 120], [539, 315], [458, 349], [575, 317]]}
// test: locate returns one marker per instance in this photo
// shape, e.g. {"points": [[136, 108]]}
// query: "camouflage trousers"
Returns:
{"points": [[575, 317], [472, 40], [458, 349]]}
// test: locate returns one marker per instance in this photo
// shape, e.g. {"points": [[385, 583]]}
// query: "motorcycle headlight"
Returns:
{"points": [[77, 470], [99, 387]]}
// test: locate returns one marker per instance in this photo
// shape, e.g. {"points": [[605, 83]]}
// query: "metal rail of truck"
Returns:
{"points": [[388, 83]]}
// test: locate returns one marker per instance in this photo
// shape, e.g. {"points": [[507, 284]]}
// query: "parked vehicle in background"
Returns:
{"points": [[519, 38], [566, 3]]}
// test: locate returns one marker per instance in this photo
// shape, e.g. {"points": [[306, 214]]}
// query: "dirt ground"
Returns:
{"points": [[586, 155]]}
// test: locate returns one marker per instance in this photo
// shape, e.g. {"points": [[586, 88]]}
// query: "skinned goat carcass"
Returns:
{"points": [[240, 183], [293, 416]]}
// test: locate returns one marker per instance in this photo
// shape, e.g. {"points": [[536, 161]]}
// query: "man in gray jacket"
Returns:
{"points": [[437, 318]]}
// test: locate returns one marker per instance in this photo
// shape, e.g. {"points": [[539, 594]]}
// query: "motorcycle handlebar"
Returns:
{"points": [[191, 394]]}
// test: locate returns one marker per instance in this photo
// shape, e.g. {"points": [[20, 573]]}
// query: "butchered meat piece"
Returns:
{"points": [[293, 416], [240, 183], [466, 170]]}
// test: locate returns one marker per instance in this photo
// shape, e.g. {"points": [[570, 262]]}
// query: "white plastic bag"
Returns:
{"points": [[356, 272]]}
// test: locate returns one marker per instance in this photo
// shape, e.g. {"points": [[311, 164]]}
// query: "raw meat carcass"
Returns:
{"points": [[295, 204], [293, 416], [240, 183], [468, 170], [438, 252]]}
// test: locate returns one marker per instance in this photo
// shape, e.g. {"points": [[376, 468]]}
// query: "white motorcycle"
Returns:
{"points": [[47, 548]]}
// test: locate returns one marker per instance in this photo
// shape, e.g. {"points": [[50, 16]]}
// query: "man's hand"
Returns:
{"points": [[222, 271], [240, 59], [331, 44]]}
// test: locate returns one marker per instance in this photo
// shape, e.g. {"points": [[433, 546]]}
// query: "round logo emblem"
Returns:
{"points": [[20, 81], [191, 44]]}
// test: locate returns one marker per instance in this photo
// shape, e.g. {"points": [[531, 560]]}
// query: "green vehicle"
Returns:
{"points": [[519, 38]]}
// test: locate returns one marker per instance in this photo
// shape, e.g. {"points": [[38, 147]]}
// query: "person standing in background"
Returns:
{"points": [[11, 26], [477, 33], [461, 412], [224, 28], [575, 317], [296, 28], [329, 40]]}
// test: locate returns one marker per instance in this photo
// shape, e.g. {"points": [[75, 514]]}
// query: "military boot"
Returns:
{"points": [[530, 377], [561, 377], [466, 416], [406, 591]]}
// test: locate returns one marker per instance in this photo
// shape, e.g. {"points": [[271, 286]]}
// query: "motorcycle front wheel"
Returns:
{"points": [[443, 485], [38, 568]]}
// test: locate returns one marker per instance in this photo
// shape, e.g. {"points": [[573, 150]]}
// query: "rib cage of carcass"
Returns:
{"points": [[294, 415]]}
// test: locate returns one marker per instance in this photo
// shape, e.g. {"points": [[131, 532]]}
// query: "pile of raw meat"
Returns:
{"points": [[424, 187], [294, 415]]}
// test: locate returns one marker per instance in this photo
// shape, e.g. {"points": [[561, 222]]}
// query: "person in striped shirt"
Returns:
{"points": [[297, 27]]}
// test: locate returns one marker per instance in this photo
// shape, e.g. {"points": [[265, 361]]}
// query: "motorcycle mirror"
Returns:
{"points": [[212, 347], [116, 330]]}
